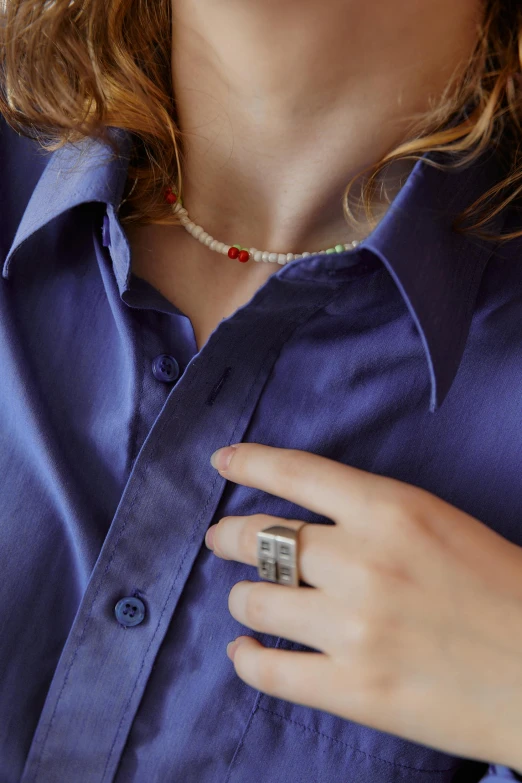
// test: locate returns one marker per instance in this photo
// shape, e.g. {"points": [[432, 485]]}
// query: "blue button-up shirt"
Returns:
{"points": [[402, 357]]}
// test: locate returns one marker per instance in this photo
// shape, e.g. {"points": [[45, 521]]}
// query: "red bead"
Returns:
{"points": [[171, 198], [233, 252], [244, 256]]}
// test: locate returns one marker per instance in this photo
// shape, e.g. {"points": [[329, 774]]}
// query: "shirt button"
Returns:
{"points": [[106, 234], [130, 611], [165, 368]]}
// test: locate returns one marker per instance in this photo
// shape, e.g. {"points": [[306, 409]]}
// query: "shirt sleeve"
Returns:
{"points": [[498, 774]]}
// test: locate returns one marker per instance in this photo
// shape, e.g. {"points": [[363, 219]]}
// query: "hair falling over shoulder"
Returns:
{"points": [[71, 69]]}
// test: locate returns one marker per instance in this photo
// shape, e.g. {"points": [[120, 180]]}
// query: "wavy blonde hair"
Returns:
{"points": [[70, 70]]}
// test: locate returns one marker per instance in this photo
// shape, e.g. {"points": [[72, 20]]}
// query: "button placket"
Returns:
{"points": [[156, 534]]}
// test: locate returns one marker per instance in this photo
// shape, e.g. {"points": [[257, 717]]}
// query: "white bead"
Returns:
{"points": [[257, 255]]}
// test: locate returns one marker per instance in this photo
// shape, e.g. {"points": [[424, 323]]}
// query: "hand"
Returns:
{"points": [[414, 605]]}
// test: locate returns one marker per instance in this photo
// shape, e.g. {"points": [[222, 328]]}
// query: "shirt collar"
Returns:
{"points": [[437, 271], [74, 174]]}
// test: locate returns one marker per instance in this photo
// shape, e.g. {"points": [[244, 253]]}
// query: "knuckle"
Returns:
{"points": [[377, 681], [367, 633], [267, 673], [244, 542], [366, 627], [369, 583], [291, 466], [357, 632], [349, 634], [219, 528], [399, 521], [255, 605], [391, 511]]}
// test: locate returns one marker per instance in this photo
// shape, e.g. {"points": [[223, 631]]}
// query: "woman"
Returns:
{"points": [[374, 389]]}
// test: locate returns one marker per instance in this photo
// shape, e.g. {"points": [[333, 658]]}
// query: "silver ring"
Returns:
{"points": [[278, 555]]}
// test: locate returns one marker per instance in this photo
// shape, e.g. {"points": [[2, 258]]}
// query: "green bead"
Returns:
{"points": [[331, 250], [339, 248], [238, 247]]}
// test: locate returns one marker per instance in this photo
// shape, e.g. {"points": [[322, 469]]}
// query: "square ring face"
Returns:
{"points": [[276, 555]]}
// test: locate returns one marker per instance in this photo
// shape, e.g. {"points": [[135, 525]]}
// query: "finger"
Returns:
{"points": [[317, 483], [299, 677], [302, 615], [235, 538]]}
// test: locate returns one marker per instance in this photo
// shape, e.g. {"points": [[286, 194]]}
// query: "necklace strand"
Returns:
{"points": [[242, 254]]}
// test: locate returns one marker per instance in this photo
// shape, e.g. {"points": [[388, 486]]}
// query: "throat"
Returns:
{"points": [[204, 285]]}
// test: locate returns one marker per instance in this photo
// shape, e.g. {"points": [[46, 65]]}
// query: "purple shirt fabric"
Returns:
{"points": [[402, 357]]}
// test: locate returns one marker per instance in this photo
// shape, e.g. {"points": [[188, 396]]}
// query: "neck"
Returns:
{"points": [[282, 102]]}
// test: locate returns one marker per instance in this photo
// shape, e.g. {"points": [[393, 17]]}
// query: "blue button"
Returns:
{"points": [[130, 611], [106, 234], [165, 368]]}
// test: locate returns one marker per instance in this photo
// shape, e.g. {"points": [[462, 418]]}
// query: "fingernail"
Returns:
{"points": [[209, 537], [220, 459], [231, 648]]}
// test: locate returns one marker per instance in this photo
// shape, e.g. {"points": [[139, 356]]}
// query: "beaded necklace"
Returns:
{"points": [[242, 254]]}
